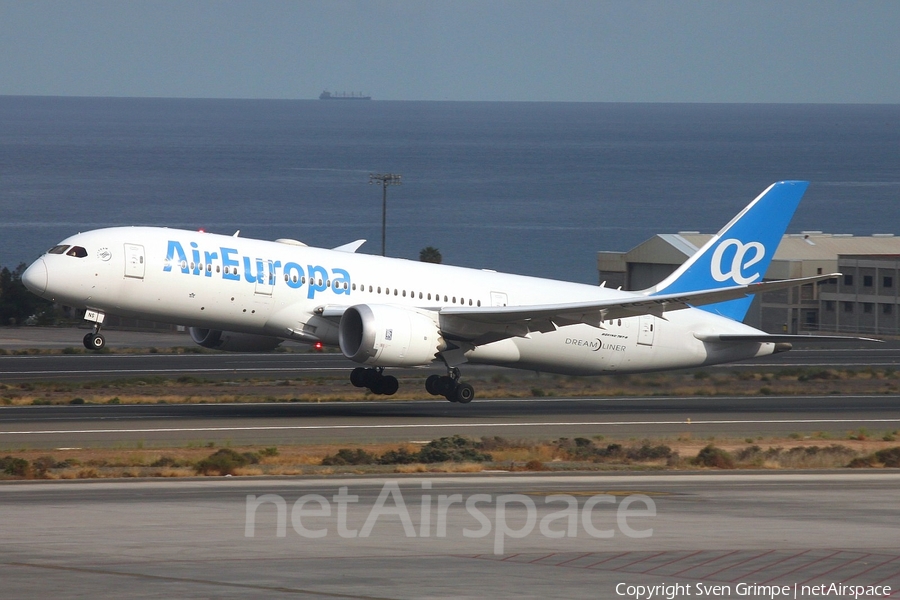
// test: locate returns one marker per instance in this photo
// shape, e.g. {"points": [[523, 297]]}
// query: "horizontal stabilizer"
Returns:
{"points": [[777, 338]]}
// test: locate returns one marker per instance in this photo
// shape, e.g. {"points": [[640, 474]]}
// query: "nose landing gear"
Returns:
{"points": [[94, 340], [450, 387]]}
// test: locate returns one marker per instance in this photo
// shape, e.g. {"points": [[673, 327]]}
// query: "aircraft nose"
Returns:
{"points": [[35, 277]]}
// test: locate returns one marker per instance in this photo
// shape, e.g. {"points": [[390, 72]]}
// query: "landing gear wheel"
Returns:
{"points": [[445, 386], [358, 377], [94, 341], [375, 380], [464, 393], [431, 385], [389, 385]]}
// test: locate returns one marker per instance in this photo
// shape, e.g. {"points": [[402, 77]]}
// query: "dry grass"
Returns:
{"points": [[509, 384], [792, 452]]}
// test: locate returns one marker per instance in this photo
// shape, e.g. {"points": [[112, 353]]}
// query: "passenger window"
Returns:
{"points": [[404, 293], [58, 249], [77, 252]]}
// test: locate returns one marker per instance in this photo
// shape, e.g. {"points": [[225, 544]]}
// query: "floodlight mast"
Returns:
{"points": [[385, 179]]}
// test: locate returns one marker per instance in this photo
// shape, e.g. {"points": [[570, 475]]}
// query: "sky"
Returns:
{"points": [[821, 51]]}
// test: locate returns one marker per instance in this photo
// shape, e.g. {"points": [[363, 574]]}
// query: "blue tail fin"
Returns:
{"points": [[741, 252]]}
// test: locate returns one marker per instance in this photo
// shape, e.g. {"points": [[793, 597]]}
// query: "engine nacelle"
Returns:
{"points": [[230, 341], [389, 336]]}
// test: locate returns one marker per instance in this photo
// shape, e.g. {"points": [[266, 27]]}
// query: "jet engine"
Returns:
{"points": [[389, 336], [230, 341]]}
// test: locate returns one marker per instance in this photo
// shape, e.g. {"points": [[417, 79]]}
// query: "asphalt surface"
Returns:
{"points": [[80, 367], [365, 422], [484, 536]]}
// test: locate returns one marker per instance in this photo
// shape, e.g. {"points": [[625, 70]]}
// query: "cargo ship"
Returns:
{"points": [[326, 95]]}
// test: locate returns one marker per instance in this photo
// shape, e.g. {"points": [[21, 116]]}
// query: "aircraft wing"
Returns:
{"points": [[489, 324], [483, 325]]}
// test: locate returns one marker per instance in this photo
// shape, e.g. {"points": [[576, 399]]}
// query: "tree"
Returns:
{"points": [[16, 302], [430, 254]]}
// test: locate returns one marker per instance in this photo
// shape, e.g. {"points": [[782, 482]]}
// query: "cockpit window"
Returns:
{"points": [[77, 252], [58, 249]]}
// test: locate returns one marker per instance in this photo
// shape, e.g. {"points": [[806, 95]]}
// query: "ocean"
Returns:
{"points": [[532, 188]]}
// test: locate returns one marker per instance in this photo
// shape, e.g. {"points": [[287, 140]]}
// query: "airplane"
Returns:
{"points": [[242, 294]]}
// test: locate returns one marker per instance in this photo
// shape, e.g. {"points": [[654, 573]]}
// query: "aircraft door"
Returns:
{"points": [[646, 326], [498, 299], [134, 261], [266, 283]]}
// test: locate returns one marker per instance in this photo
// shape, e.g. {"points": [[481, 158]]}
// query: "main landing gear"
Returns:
{"points": [[375, 380], [450, 387]]}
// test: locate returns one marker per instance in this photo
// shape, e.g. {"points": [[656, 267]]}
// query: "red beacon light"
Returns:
{"points": [[318, 346]]}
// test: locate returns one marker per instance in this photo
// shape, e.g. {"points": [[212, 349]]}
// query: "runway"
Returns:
{"points": [[450, 536], [394, 421], [83, 367]]}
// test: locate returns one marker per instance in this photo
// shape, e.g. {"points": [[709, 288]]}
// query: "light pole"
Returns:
{"points": [[385, 179]]}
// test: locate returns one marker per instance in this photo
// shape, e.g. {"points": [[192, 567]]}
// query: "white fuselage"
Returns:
{"points": [[275, 288]]}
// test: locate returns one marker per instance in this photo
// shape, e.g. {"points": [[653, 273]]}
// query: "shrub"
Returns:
{"points": [[346, 456], [225, 462], [42, 464], [398, 457], [270, 451], [76, 401], [17, 467], [890, 457], [452, 449], [167, 461], [496, 443], [714, 457], [648, 452], [822, 374]]}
